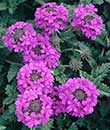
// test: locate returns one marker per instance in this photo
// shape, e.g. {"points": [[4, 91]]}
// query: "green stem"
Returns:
{"points": [[14, 63], [102, 53], [66, 66], [40, 2], [68, 49]]}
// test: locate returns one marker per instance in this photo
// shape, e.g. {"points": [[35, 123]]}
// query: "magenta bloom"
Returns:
{"points": [[57, 102], [41, 50], [78, 96], [18, 36], [51, 17], [33, 109], [35, 75], [86, 20]]}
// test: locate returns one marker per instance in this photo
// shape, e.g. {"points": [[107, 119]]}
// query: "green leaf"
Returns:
{"points": [[82, 122], [47, 126], [2, 127], [100, 72], [12, 72], [99, 2], [11, 94], [1, 66], [59, 74], [40, 1], [73, 127], [12, 108], [86, 75], [107, 1], [108, 55], [25, 128], [3, 6], [104, 108], [104, 90], [59, 121], [97, 74], [6, 117], [85, 1]]}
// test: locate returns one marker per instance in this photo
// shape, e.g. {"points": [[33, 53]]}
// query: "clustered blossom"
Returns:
{"points": [[18, 36], [38, 99], [42, 50], [51, 17], [33, 109], [57, 102], [35, 75], [85, 19], [78, 96]]}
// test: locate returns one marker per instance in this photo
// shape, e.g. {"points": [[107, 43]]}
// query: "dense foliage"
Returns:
{"points": [[80, 57]]}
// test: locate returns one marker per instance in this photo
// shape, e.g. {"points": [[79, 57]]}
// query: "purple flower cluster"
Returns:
{"points": [[39, 99], [51, 17], [41, 50], [77, 97], [18, 36], [86, 20], [33, 108], [21, 37], [35, 75]]}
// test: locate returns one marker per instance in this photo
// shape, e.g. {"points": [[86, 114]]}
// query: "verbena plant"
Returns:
{"points": [[79, 57]]}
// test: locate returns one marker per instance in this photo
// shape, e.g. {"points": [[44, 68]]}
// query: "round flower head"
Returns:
{"points": [[78, 96], [18, 36], [41, 50], [86, 20], [51, 17], [33, 109], [35, 75]]}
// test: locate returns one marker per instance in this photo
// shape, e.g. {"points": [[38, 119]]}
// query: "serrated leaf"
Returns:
{"points": [[104, 108], [40, 1], [73, 127], [1, 66], [59, 121], [47, 126], [2, 127], [100, 72], [97, 74], [85, 1], [12, 108], [11, 94], [25, 128], [3, 6], [86, 75], [7, 116], [108, 55], [107, 1], [99, 2], [82, 122], [59, 74], [104, 90], [12, 72]]}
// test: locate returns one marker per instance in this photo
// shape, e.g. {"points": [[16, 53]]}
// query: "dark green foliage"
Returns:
{"points": [[94, 57]]}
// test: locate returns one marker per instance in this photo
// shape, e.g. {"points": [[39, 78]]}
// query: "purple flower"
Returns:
{"points": [[78, 96], [57, 102], [51, 17], [41, 50], [33, 109], [86, 20], [18, 36], [35, 75]]}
